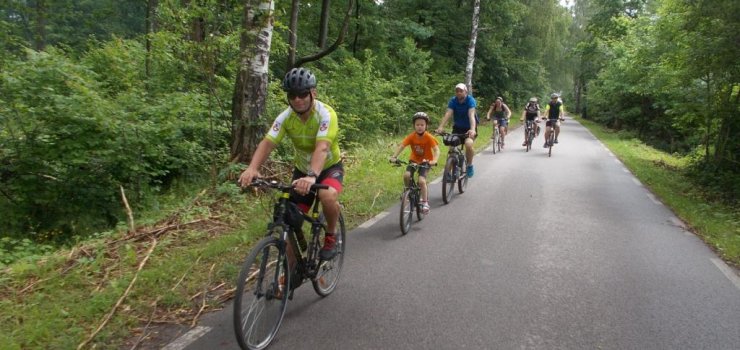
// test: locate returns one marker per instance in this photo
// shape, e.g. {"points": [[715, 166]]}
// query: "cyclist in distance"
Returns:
{"points": [[465, 121], [312, 127], [531, 113], [553, 113], [424, 148], [501, 114]]}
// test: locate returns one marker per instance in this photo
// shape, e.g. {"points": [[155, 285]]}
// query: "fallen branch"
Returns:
{"points": [[374, 198], [120, 300], [131, 227], [205, 297]]}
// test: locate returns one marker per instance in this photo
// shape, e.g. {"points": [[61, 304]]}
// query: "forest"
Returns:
{"points": [[100, 98]]}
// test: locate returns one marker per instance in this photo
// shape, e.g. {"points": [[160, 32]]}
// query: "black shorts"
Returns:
{"points": [[458, 130], [332, 176], [422, 171], [553, 122]]}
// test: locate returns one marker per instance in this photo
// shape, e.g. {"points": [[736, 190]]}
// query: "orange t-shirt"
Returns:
{"points": [[421, 146]]}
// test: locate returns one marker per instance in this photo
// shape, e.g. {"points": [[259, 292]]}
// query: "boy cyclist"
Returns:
{"points": [[424, 148]]}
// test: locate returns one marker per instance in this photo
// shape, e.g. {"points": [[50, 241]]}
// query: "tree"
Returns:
{"points": [[250, 90], [471, 46]]}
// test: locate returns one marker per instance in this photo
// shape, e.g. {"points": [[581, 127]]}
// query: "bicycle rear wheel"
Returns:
{"points": [[530, 138], [261, 295], [551, 142], [449, 179], [407, 211], [327, 274]]}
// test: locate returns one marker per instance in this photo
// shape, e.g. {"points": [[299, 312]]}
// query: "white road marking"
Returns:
{"points": [[636, 181], [372, 221], [653, 198], [187, 338], [727, 271]]}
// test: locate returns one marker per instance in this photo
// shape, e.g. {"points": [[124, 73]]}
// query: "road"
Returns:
{"points": [[568, 252]]}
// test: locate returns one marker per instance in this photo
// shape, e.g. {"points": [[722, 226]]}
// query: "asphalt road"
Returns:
{"points": [[568, 252]]}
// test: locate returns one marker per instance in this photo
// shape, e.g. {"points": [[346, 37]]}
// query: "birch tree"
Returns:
{"points": [[250, 90], [471, 46]]}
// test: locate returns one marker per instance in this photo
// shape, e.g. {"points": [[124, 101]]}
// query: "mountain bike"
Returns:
{"points": [[551, 138], [530, 133], [411, 196], [497, 142], [455, 171], [283, 258]]}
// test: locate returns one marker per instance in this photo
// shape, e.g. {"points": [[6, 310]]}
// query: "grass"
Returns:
{"points": [[56, 301], [664, 174]]}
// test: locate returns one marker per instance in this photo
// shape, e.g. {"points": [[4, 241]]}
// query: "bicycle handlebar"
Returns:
{"points": [[399, 162], [281, 186]]}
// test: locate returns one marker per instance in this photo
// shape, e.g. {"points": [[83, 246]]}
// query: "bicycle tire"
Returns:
{"points": [[499, 142], [407, 211], [417, 203], [448, 180], [530, 137], [328, 272], [462, 180], [260, 302], [495, 139], [551, 142]]}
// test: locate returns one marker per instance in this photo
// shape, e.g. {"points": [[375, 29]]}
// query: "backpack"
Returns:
{"points": [[532, 108]]}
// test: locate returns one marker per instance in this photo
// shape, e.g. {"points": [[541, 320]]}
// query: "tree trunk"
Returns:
{"points": [[293, 34], [471, 47], [250, 90], [40, 28], [324, 25], [151, 6], [292, 61]]}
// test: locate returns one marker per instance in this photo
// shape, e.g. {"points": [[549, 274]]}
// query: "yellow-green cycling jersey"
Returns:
{"points": [[321, 126]]}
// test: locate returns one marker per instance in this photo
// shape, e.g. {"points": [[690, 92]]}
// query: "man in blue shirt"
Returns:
{"points": [[465, 121]]}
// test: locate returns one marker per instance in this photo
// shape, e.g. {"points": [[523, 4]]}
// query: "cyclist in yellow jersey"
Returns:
{"points": [[312, 127]]}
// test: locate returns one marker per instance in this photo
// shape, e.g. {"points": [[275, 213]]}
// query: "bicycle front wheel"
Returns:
{"points": [[407, 211], [462, 181], [449, 178], [261, 295], [496, 138], [551, 143], [417, 203], [327, 275]]}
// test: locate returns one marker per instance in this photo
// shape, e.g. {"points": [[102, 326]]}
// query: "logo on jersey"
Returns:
{"points": [[276, 127], [324, 126]]}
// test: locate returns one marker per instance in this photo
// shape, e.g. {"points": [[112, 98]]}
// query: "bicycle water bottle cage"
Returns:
{"points": [[451, 140]]}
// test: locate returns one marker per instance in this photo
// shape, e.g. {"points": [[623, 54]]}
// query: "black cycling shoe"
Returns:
{"points": [[556, 140]]}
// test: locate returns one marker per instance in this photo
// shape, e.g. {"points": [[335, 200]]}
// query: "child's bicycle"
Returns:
{"points": [[281, 262], [411, 196]]}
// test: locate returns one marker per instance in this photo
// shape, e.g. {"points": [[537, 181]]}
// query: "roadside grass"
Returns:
{"points": [[664, 174], [58, 300]]}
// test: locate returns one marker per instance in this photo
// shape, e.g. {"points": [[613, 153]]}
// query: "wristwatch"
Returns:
{"points": [[312, 174]]}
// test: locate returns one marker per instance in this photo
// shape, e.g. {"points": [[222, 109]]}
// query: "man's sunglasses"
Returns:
{"points": [[301, 94]]}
